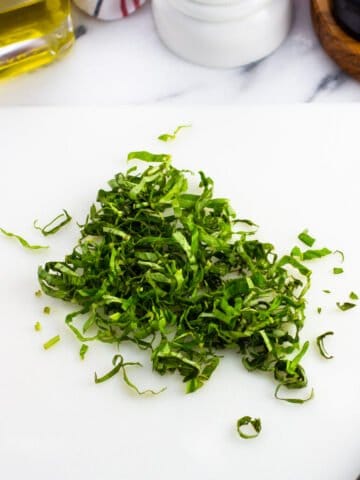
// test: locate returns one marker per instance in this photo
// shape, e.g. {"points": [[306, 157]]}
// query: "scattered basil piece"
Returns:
{"points": [[306, 238], [166, 137], [37, 326], [293, 400], [38, 293], [47, 310], [83, 349], [55, 225], [149, 157], [248, 222], [320, 344], [353, 296], [254, 422], [319, 310], [22, 241], [313, 254], [120, 365], [345, 306], [342, 256], [327, 291], [50, 343], [338, 270]]}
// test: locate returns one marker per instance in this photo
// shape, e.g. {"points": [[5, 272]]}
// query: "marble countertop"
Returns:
{"points": [[124, 62]]}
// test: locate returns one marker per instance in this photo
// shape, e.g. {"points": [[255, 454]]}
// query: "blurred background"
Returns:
{"points": [[125, 62]]}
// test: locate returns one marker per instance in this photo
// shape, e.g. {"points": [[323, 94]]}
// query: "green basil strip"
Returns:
{"points": [[149, 157], [293, 364], [166, 137], [50, 343], [83, 349], [314, 254], [22, 241], [306, 238]]}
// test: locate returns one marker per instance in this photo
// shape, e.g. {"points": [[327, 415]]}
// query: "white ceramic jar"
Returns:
{"points": [[222, 33]]}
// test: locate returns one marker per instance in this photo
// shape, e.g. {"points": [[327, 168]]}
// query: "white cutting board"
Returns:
{"points": [[287, 169]]}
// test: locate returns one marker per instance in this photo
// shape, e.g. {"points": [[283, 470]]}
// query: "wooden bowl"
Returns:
{"points": [[342, 48]]}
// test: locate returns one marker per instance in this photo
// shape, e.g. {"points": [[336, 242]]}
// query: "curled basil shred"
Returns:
{"points": [[321, 346], [167, 137], [309, 397], [254, 422], [341, 254], [165, 266], [54, 225], [120, 365]]}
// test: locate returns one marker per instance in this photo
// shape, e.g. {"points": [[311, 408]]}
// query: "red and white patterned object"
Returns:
{"points": [[109, 9]]}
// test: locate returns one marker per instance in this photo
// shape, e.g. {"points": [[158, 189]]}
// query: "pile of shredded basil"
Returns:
{"points": [[176, 273]]}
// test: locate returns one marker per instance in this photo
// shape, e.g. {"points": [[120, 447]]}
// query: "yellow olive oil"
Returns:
{"points": [[33, 33]]}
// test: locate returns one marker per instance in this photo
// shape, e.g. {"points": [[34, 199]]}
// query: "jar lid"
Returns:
{"points": [[219, 10]]}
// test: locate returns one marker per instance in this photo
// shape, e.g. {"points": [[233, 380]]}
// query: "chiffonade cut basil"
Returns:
{"points": [[161, 263]]}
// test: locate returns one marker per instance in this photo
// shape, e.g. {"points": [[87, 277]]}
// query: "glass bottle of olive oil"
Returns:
{"points": [[33, 33]]}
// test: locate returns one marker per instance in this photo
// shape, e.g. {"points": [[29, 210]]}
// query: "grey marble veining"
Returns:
{"points": [[124, 62]]}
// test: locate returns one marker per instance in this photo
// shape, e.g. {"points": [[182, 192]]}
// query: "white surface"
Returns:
{"points": [[222, 36], [287, 169], [124, 62]]}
